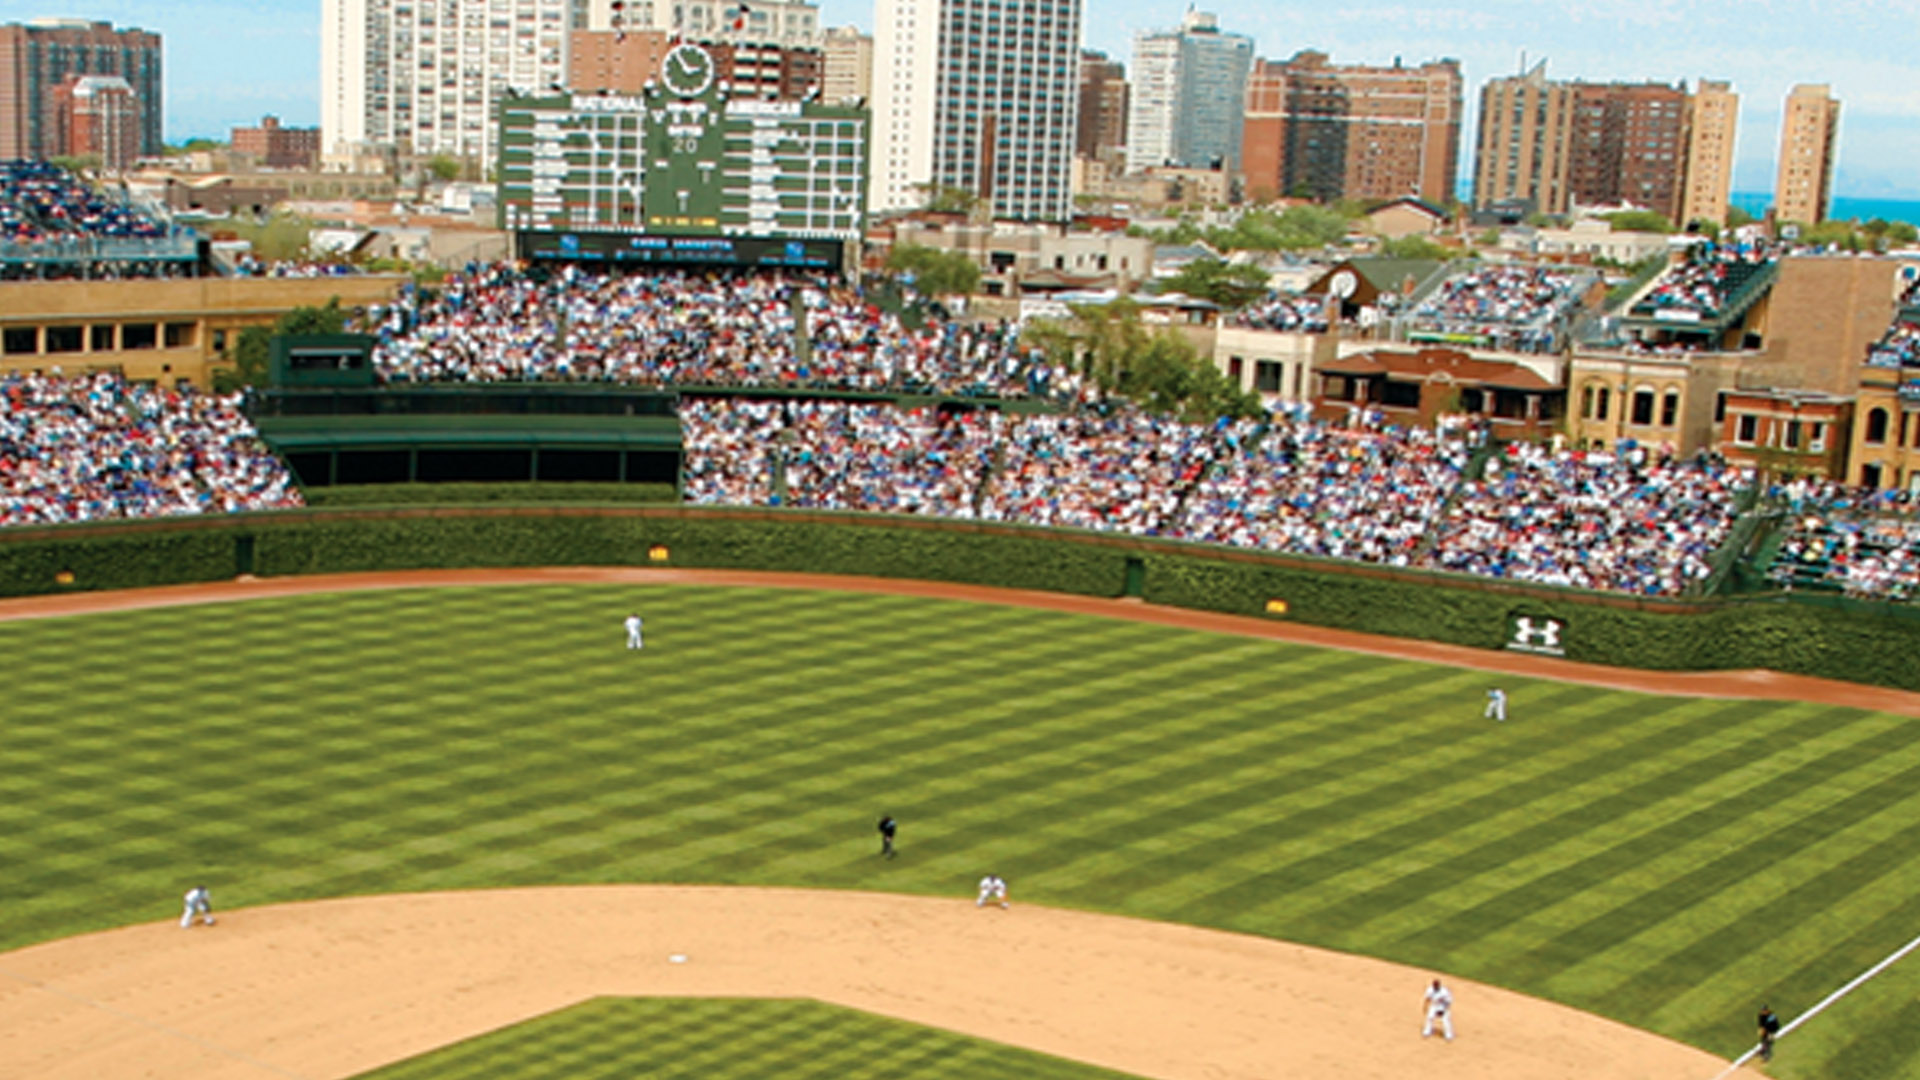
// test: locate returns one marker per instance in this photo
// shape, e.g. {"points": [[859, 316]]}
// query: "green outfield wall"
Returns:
{"points": [[1858, 642]]}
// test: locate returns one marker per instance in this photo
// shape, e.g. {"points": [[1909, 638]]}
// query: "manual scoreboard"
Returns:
{"points": [[684, 159]]}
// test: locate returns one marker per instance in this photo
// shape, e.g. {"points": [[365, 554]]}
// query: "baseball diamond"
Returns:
{"points": [[1612, 851]]}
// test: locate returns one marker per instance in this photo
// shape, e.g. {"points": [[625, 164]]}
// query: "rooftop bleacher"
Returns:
{"points": [[1709, 286], [48, 216], [1510, 308]]}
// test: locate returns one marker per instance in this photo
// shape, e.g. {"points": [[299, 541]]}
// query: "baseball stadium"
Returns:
{"points": [[1215, 696]]}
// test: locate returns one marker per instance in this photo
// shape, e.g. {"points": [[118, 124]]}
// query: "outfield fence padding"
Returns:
{"points": [[1858, 642]]}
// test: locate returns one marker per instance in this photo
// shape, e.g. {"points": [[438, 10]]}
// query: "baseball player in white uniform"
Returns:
{"points": [[1496, 704], [198, 903], [1439, 1010], [992, 887], [633, 631]]}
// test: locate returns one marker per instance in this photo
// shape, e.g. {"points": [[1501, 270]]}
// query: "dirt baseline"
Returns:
{"points": [[332, 988]]}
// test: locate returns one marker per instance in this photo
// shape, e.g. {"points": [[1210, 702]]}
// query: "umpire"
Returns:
{"points": [[887, 827], [1769, 1029]]}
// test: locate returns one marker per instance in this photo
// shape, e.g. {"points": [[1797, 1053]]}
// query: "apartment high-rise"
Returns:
{"points": [[1102, 127], [1526, 125], [98, 116], [1565, 144], [1191, 104], [966, 96], [424, 78], [1715, 123], [1329, 131], [278, 147], [41, 55], [846, 65], [1809, 131], [1629, 145], [794, 24]]}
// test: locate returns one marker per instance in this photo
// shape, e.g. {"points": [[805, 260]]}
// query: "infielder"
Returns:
{"points": [[993, 887], [198, 903], [1439, 1008], [633, 631], [1497, 704]]}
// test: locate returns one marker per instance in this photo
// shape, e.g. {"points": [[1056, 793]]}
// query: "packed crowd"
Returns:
{"points": [[95, 447], [1116, 470], [1701, 283], [1515, 308], [1376, 494], [1295, 314], [1863, 542], [499, 323], [251, 265], [1371, 494], [1899, 348], [41, 203], [1591, 520]]}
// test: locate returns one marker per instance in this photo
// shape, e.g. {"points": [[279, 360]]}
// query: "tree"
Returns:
{"points": [[1415, 247], [1223, 283], [250, 358], [443, 167], [942, 199], [933, 271], [78, 163], [1158, 369], [1737, 217], [1489, 238], [1297, 228], [1639, 221], [1903, 233]]}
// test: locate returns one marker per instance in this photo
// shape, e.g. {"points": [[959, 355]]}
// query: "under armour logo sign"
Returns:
{"points": [[1539, 635]]}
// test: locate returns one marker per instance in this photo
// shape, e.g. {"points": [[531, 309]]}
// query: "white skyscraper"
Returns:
{"points": [[980, 95], [792, 24], [424, 76], [1155, 98], [1189, 95]]}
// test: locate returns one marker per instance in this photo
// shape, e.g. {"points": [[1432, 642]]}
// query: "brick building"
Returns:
{"points": [[1327, 131], [279, 147], [1809, 131], [38, 57], [1556, 145], [1629, 145], [1102, 129], [768, 71], [97, 116], [619, 62]]}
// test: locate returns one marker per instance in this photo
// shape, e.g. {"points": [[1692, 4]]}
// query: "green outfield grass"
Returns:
{"points": [[728, 1039], [1667, 862]]}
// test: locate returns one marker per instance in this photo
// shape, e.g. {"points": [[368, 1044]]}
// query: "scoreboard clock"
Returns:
{"points": [[689, 157]]}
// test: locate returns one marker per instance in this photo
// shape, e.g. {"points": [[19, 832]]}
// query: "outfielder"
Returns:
{"points": [[633, 631], [992, 887], [198, 903], [1496, 704], [1439, 1009]]}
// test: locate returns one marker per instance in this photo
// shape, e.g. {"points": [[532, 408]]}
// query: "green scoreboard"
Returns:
{"points": [[683, 160]]}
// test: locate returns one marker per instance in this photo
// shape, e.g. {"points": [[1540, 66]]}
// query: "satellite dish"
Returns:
{"points": [[1344, 284]]}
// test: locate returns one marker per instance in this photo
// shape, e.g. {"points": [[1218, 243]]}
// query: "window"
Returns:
{"points": [[1818, 442], [1606, 393], [1643, 407], [1586, 401], [138, 335], [1876, 428], [1793, 435], [1670, 408], [1746, 427], [179, 334], [64, 339], [1267, 375], [20, 339]]}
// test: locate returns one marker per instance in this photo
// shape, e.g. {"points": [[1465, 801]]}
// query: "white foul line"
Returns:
{"points": [[1824, 1002]]}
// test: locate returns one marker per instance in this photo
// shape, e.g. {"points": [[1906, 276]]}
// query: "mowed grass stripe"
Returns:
{"points": [[1602, 848], [727, 1039]]}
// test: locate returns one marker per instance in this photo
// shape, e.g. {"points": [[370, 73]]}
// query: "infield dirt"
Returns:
{"points": [[336, 987]]}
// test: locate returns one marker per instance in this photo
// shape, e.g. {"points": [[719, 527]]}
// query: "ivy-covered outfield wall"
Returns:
{"points": [[1869, 643]]}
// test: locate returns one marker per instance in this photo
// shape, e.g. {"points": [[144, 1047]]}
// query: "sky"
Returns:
{"points": [[230, 61]]}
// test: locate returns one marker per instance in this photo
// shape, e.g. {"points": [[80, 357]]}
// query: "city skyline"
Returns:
{"points": [[228, 62]]}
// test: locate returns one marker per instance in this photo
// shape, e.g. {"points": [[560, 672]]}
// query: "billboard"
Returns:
{"points": [[681, 250], [683, 159]]}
